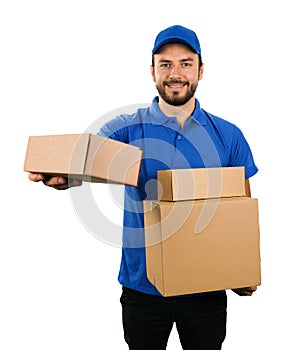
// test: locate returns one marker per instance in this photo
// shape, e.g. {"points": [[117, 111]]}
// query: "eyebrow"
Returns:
{"points": [[163, 60]]}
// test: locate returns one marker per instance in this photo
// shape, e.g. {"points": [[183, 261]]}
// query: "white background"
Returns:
{"points": [[64, 64]]}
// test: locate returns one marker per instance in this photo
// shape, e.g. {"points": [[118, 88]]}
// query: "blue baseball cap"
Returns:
{"points": [[177, 34]]}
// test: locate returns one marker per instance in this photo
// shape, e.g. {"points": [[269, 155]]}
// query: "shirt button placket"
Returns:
{"points": [[177, 139]]}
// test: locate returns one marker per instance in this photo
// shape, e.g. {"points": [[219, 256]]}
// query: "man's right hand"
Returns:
{"points": [[57, 182]]}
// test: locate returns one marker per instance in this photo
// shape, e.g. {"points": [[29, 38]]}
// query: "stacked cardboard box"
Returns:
{"points": [[84, 156], [203, 233]]}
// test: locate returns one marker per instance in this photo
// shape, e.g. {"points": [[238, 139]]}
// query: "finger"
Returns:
{"points": [[244, 293], [61, 183], [247, 291], [55, 181], [60, 187], [35, 177], [68, 184], [74, 182]]}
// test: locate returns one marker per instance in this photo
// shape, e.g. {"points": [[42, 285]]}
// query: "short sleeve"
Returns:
{"points": [[115, 129], [241, 154]]}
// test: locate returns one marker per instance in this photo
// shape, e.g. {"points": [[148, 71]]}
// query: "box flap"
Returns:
{"points": [[113, 160]]}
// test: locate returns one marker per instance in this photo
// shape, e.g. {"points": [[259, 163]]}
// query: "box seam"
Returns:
{"points": [[162, 257], [26, 154], [86, 154]]}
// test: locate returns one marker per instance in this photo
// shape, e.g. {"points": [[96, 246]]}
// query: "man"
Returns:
{"points": [[173, 133]]}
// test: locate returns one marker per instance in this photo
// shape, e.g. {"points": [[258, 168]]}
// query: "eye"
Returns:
{"points": [[186, 65], [165, 65]]}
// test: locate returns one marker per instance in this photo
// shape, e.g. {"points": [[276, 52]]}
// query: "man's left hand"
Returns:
{"points": [[246, 291]]}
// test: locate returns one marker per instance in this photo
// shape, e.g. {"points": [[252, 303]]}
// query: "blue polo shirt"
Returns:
{"points": [[204, 141]]}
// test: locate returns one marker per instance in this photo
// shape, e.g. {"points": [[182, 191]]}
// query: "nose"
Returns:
{"points": [[175, 72]]}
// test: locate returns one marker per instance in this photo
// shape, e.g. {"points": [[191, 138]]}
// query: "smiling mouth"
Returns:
{"points": [[175, 85]]}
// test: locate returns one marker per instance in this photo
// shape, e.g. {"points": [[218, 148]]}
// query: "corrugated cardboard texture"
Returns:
{"points": [[201, 183], [224, 255], [84, 156]]}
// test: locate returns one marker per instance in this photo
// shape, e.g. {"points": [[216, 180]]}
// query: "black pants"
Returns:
{"points": [[148, 320]]}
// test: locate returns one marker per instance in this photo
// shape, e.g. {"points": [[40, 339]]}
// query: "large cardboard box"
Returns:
{"points": [[203, 245], [84, 156], [187, 184]]}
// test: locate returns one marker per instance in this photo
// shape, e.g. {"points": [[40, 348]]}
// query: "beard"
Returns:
{"points": [[175, 99]]}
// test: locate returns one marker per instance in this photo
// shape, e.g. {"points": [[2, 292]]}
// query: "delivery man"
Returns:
{"points": [[174, 132]]}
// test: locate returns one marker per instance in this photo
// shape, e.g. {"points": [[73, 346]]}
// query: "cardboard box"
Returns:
{"points": [[203, 245], [188, 184], [84, 156]]}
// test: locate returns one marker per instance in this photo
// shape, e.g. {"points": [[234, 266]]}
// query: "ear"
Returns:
{"points": [[201, 71], [153, 73]]}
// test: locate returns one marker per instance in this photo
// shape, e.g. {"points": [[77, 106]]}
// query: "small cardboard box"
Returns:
{"points": [[203, 245], [84, 156], [190, 184]]}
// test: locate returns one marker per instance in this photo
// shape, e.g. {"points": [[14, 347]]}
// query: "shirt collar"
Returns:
{"points": [[159, 118]]}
